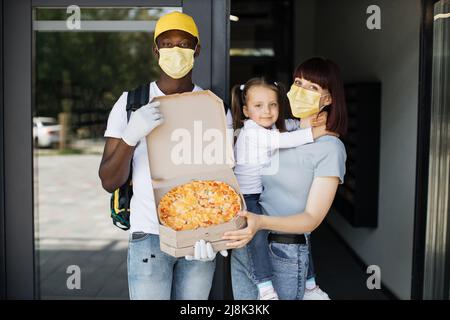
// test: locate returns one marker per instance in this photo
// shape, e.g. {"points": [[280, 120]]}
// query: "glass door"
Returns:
{"points": [[437, 254], [65, 66], [80, 69]]}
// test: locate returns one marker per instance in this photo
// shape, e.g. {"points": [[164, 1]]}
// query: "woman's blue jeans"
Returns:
{"points": [[289, 264]]}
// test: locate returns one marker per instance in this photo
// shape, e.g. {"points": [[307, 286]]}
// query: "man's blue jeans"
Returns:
{"points": [[289, 265], [154, 275]]}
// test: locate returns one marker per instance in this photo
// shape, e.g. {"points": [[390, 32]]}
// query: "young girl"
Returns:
{"points": [[258, 111]]}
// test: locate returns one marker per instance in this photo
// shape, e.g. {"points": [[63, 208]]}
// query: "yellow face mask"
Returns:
{"points": [[176, 62], [303, 102]]}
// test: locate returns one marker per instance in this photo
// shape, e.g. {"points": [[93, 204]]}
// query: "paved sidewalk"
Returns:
{"points": [[73, 227]]}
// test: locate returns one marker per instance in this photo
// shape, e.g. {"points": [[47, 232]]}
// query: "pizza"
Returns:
{"points": [[200, 203]]}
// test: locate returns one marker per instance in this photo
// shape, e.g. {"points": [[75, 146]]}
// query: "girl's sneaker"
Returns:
{"points": [[315, 294], [268, 293]]}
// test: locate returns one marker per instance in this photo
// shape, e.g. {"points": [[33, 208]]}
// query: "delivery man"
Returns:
{"points": [[153, 274]]}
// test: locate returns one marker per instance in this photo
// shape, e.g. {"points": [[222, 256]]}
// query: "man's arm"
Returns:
{"points": [[115, 165]]}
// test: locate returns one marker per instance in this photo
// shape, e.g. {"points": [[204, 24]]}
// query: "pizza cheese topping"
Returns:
{"points": [[198, 204]]}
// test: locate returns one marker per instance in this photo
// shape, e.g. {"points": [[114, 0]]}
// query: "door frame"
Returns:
{"points": [[17, 244], [423, 149], [2, 202]]}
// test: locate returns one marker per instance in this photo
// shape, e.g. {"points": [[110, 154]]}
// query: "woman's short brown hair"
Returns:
{"points": [[326, 74]]}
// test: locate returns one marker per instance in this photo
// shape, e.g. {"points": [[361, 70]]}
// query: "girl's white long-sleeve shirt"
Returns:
{"points": [[256, 145]]}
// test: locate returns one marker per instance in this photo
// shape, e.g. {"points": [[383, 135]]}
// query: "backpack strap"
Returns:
{"points": [[137, 98]]}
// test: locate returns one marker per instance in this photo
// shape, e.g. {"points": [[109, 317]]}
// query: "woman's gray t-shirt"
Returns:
{"points": [[286, 192]]}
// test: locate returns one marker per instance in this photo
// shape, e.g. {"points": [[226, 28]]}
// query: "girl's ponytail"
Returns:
{"points": [[237, 104]]}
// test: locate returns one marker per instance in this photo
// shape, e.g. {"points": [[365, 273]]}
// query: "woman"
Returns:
{"points": [[297, 197]]}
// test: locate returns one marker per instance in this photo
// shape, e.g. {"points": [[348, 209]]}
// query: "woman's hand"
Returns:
{"points": [[320, 119], [243, 236], [319, 126]]}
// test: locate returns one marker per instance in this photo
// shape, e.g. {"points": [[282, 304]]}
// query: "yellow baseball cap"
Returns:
{"points": [[176, 21]]}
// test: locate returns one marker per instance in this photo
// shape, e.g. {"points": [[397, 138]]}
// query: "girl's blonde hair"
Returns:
{"points": [[239, 95]]}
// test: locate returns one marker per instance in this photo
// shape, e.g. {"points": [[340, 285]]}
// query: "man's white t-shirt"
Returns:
{"points": [[143, 215]]}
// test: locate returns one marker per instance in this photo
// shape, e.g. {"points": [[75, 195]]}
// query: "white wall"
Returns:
{"points": [[390, 55]]}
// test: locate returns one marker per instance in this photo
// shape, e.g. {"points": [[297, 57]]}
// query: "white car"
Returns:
{"points": [[46, 131]]}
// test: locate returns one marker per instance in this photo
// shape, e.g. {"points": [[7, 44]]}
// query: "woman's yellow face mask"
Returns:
{"points": [[305, 98]]}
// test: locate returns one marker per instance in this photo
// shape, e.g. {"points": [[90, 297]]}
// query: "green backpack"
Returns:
{"points": [[121, 197]]}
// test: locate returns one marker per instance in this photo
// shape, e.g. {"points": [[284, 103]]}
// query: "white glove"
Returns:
{"points": [[142, 122], [203, 251]]}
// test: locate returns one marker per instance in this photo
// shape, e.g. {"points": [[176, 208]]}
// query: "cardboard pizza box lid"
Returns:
{"points": [[193, 137]]}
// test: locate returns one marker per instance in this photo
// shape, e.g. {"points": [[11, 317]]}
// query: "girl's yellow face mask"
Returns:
{"points": [[176, 62], [304, 103]]}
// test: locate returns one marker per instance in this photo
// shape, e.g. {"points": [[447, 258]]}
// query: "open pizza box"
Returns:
{"points": [[191, 144]]}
